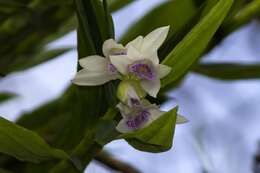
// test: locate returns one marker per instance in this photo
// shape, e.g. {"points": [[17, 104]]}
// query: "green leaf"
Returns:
{"points": [[39, 58], [115, 5], [157, 137], [11, 3], [25, 145], [87, 104], [6, 96], [106, 132], [243, 16], [176, 13], [43, 115], [95, 23], [24, 33], [4, 171], [229, 71], [195, 42], [106, 128]]}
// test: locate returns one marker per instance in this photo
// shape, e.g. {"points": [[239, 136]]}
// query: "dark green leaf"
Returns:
{"points": [[94, 23], [166, 14], [4, 171], [6, 96], [195, 42], [86, 104], [229, 71], [25, 33], [106, 128], [25, 145], [115, 5], [42, 116], [243, 16], [106, 132], [157, 137], [21, 64], [11, 3]]}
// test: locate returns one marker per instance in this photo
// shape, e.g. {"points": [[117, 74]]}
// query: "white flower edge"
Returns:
{"points": [[98, 70]]}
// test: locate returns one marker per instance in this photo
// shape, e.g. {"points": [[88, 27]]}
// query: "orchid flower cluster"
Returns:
{"points": [[137, 66]]}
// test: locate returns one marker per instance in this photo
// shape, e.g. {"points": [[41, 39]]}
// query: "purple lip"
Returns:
{"points": [[118, 52], [142, 70], [137, 121], [111, 68]]}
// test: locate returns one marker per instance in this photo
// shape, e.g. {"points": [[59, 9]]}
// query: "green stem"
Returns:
{"points": [[80, 157], [85, 151]]}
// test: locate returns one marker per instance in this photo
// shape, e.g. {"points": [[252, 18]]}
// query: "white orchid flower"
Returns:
{"points": [[139, 113], [98, 70], [141, 61]]}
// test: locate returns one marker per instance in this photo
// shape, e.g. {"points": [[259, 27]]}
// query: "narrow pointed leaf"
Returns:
{"points": [[27, 29], [166, 14], [41, 57], [25, 145], [229, 71], [6, 96], [95, 23], [4, 171], [245, 15], [195, 42], [115, 5]]}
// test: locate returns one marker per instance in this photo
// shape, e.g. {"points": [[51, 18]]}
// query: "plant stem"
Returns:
{"points": [[80, 157], [112, 163]]}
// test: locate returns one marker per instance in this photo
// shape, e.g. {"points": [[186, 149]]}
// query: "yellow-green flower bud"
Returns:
{"points": [[129, 89]]}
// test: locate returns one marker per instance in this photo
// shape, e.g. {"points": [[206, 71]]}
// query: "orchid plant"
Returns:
{"points": [[117, 92]]}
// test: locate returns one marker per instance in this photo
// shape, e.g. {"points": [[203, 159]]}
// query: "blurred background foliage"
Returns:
{"points": [[27, 27]]}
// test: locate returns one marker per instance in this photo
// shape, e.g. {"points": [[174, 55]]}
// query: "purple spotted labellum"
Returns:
{"points": [[137, 114], [138, 120], [142, 70], [111, 68]]}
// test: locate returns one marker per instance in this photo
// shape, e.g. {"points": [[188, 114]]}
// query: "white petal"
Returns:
{"points": [[134, 54], [121, 63], [181, 119], [151, 87], [124, 110], [110, 44], [131, 93], [153, 57], [90, 78], [122, 127], [136, 43], [94, 63], [163, 70], [155, 113], [154, 39]]}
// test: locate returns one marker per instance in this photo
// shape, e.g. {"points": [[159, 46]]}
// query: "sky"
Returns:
{"points": [[223, 128]]}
